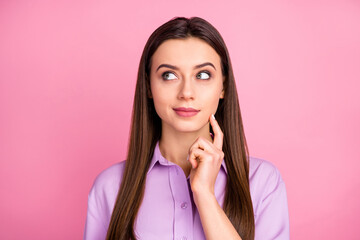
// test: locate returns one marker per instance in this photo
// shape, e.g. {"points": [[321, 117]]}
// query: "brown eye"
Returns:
{"points": [[169, 76], [203, 75]]}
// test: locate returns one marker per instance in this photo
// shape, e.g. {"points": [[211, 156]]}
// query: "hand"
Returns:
{"points": [[205, 158]]}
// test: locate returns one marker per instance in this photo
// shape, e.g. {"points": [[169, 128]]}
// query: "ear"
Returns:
{"points": [[222, 94]]}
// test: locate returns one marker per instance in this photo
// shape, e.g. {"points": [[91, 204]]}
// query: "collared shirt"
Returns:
{"points": [[168, 210]]}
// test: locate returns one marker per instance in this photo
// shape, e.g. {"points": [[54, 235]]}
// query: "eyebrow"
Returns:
{"points": [[176, 68]]}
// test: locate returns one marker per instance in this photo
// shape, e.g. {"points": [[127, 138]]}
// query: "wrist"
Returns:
{"points": [[203, 197]]}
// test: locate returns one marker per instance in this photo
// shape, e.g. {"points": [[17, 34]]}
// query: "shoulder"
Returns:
{"points": [[101, 201], [268, 195], [264, 178], [262, 169], [106, 186], [109, 178]]}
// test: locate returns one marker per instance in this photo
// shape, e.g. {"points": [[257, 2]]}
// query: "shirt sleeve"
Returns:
{"points": [[272, 220], [95, 228]]}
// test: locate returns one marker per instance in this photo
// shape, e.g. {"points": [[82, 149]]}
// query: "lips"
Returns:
{"points": [[186, 112]]}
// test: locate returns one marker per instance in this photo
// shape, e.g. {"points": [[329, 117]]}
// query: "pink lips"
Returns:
{"points": [[186, 112]]}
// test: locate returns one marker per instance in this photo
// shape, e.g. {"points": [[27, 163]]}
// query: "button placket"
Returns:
{"points": [[183, 228]]}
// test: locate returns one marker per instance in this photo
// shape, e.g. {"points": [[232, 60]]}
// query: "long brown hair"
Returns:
{"points": [[146, 132]]}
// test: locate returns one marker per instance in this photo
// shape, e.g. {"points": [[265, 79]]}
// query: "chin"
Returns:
{"points": [[189, 128]]}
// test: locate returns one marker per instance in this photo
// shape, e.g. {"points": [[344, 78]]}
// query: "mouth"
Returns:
{"points": [[186, 112]]}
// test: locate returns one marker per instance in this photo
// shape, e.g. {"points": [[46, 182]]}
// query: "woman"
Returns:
{"points": [[187, 173]]}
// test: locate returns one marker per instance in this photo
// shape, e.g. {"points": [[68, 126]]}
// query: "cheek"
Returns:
{"points": [[210, 105], [159, 94], [214, 105], [160, 103], [211, 98], [215, 101]]}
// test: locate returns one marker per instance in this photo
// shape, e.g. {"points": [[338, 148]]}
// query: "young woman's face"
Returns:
{"points": [[186, 84]]}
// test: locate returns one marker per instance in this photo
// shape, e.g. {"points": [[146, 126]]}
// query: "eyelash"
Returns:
{"points": [[167, 72], [163, 75], [206, 72]]}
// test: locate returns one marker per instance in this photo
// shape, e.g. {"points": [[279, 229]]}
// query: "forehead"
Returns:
{"points": [[185, 52]]}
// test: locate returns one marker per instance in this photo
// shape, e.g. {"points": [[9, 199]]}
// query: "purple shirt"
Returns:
{"points": [[168, 210]]}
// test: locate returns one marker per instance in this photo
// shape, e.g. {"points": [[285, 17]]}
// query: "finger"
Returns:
{"points": [[218, 134], [203, 144], [194, 157], [192, 161], [197, 155]]}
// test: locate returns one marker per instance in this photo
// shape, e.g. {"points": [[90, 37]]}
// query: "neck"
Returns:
{"points": [[174, 145]]}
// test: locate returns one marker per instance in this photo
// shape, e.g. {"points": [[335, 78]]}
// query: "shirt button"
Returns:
{"points": [[184, 206]]}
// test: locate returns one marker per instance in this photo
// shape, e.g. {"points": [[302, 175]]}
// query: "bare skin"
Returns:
{"points": [[186, 73]]}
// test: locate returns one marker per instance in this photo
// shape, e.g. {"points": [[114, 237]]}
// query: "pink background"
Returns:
{"points": [[67, 77]]}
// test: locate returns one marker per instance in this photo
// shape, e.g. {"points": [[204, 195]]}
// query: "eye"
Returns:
{"points": [[203, 75], [168, 76]]}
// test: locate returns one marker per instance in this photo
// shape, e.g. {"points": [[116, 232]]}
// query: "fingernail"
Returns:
{"points": [[212, 115]]}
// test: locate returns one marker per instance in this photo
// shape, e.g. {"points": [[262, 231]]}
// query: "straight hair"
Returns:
{"points": [[146, 132]]}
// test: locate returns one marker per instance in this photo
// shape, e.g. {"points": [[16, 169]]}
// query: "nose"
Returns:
{"points": [[186, 91]]}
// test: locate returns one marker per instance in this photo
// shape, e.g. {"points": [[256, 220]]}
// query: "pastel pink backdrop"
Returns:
{"points": [[67, 77]]}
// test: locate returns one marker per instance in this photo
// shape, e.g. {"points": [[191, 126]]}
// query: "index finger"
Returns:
{"points": [[218, 134]]}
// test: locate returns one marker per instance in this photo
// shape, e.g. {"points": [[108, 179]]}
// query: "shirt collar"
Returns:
{"points": [[158, 158]]}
